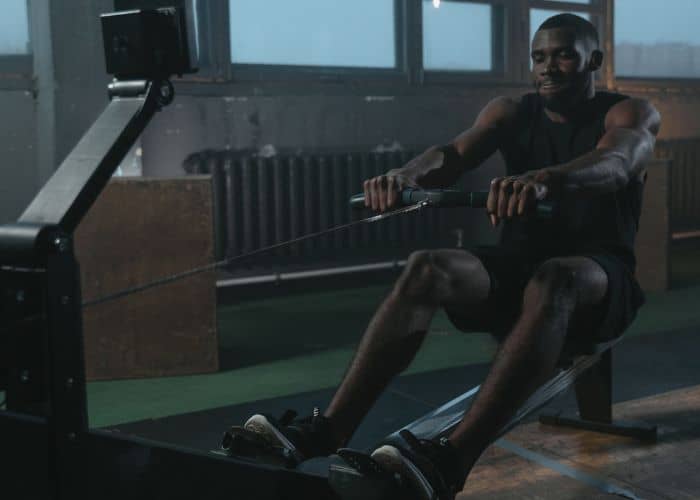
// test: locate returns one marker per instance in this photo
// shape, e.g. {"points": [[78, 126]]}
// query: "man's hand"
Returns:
{"points": [[516, 196], [382, 192]]}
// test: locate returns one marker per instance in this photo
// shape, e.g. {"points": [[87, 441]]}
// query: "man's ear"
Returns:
{"points": [[596, 60]]}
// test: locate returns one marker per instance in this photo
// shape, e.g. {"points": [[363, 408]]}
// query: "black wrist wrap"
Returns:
{"points": [[452, 158]]}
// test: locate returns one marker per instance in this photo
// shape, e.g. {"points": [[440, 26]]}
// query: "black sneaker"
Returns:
{"points": [[430, 469], [301, 439]]}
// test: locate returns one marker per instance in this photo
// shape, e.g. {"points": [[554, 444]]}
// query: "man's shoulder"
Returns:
{"points": [[633, 112], [610, 97], [506, 109], [502, 103]]}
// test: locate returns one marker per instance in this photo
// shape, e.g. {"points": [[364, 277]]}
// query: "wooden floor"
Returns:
{"points": [[537, 462]]}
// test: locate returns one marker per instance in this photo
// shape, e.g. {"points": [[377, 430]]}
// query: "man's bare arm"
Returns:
{"points": [[630, 133], [631, 127], [437, 169], [473, 146]]}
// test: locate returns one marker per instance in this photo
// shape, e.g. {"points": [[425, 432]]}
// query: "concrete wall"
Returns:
{"points": [[307, 122], [44, 120], [18, 176], [79, 69]]}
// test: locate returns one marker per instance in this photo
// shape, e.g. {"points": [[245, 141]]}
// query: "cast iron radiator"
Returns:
{"points": [[685, 181], [262, 201]]}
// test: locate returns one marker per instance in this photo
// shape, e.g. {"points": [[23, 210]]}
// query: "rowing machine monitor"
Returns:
{"points": [[148, 44]]}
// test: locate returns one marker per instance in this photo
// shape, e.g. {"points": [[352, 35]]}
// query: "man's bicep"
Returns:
{"points": [[635, 114], [631, 128]]}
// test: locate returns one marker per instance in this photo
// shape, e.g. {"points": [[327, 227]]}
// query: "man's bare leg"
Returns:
{"points": [[396, 332], [528, 356]]}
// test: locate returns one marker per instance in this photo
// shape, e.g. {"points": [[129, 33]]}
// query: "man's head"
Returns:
{"points": [[565, 54]]}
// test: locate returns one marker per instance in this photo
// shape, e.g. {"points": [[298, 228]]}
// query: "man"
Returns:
{"points": [[547, 282]]}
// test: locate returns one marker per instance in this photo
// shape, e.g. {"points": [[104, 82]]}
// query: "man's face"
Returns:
{"points": [[561, 68]]}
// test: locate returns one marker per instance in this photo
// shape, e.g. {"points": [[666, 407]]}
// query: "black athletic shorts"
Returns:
{"points": [[510, 271]]}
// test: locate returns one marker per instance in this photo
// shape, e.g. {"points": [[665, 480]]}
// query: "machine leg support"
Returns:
{"points": [[594, 398]]}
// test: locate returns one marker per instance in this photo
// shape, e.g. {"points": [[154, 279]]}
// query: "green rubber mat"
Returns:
{"points": [[305, 342]]}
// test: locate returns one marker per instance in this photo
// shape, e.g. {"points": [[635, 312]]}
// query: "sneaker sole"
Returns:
{"points": [[392, 460], [262, 426]]}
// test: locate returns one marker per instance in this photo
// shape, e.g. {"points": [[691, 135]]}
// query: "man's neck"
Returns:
{"points": [[569, 114]]}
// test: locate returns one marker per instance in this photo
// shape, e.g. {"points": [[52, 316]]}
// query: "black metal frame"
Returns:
{"points": [[48, 450]]}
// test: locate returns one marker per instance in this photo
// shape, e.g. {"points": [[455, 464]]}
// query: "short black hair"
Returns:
{"points": [[582, 27]]}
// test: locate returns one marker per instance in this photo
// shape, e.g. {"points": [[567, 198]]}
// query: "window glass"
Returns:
{"points": [[657, 39], [457, 36], [359, 33], [14, 28]]}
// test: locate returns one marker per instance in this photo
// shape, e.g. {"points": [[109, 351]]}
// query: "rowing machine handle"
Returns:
{"points": [[450, 198]]}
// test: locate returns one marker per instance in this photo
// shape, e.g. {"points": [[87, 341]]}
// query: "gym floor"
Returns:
{"points": [[291, 352]]}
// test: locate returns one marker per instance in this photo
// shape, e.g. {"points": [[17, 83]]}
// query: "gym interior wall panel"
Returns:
{"points": [[679, 109], [306, 122], [349, 123], [684, 181], [80, 81], [19, 180]]}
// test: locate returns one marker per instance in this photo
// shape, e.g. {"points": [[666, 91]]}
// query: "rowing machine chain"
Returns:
{"points": [[216, 265]]}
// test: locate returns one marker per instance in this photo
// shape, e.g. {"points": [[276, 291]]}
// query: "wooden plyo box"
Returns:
{"points": [[654, 235], [138, 231]]}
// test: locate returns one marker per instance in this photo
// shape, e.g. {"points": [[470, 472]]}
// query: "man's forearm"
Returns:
{"points": [[601, 171], [594, 173], [433, 168]]}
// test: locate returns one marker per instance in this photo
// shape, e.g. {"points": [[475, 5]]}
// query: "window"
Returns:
{"points": [[457, 36], [321, 33], [430, 41], [14, 28], [647, 48]]}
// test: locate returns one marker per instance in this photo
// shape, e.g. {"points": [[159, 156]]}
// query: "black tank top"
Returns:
{"points": [[603, 222]]}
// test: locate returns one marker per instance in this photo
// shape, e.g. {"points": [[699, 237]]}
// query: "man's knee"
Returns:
{"points": [[577, 279], [435, 277], [555, 273], [419, 277], [554, 281]]}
